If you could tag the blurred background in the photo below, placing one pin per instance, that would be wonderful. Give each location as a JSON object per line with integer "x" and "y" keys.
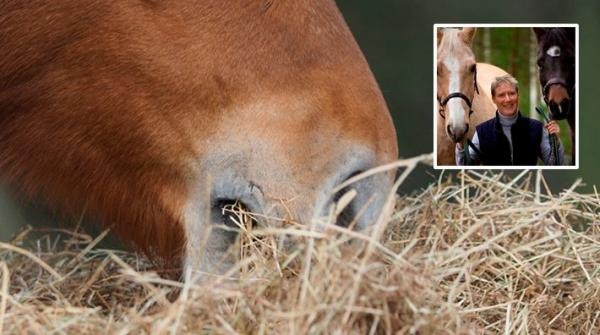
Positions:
{"x": 397, "y": 40}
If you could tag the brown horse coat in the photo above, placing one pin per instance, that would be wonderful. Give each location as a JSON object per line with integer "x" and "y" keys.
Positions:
{"x": 151, "y": 114}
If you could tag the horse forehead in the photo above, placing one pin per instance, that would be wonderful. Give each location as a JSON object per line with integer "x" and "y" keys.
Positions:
{"x": 451, "y": 44}
{"x": 455, "y": 67}
{"x": 451, "y": 63}
{"x": 455, "y": 53}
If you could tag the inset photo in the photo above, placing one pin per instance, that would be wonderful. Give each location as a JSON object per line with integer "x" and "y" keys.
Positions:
{"x": 506, "y": 96}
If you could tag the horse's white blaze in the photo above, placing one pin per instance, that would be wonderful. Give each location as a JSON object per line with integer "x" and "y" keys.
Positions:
{"x": 553, "y": 51}
{"x": 455, "y": 108}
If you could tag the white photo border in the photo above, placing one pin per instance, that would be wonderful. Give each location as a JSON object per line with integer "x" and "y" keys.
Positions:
{"x": 509, "y": 167}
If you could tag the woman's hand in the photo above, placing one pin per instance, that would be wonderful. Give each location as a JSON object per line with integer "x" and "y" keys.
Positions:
{"x": 553, "y": 127}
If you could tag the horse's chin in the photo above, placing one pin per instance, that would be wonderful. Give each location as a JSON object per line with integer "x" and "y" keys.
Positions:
{"x": 458, "y": 135}
{"x": 456, "y": 139}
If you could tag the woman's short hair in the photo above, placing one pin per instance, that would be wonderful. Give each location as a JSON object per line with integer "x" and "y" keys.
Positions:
{"x": 506, "y": 79}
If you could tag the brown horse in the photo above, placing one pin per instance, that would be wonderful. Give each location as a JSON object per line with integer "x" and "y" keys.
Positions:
{"x": 556, "y": 65}
{"x": 153, "y": 115}
{"x": 463, "y": 91}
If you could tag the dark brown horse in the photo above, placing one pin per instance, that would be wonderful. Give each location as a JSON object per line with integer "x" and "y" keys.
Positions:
{"x": 556, "y": 64}
{"x": 153, "y": 115}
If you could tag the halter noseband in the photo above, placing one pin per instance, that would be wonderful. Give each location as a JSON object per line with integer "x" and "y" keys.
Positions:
{"x": 555, "y": 81}
{"x": 560, "y": 82}
{"x": 444, "y": 102}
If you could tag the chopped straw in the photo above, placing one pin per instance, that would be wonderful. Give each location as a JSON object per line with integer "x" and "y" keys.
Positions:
{"x": 475, "y": 253}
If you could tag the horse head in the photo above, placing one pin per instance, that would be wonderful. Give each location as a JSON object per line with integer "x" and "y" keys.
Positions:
{"x": 556, "y": 64}
{"x": 456, "y": 80}
{"x": 155, "y": 116}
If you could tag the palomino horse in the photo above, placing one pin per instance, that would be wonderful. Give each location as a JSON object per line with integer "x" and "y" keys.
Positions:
{"x": 154, "y": 115}
{"x": 556, "y": 64}
{"x": 463, "y": 91}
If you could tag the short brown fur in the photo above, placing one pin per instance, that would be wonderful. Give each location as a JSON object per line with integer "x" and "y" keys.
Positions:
{"x": 101, "y": 102}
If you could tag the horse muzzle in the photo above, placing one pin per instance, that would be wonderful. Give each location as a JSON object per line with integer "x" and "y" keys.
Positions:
{"x": 561, "y": 110}
{"x": 557, "y": 97}
{"x": 457, "y": 134}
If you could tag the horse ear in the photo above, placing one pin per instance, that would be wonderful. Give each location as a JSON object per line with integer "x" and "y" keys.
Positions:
{"x": 539, "y": 33}
{"x": 440, "y": 34}
{"x": 467, "y": 34}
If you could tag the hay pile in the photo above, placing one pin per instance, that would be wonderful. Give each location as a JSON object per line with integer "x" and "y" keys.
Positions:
{"x": 482, "y": 253}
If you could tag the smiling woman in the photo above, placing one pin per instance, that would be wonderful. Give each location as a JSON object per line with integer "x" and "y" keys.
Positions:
{"x": 510, "y": 138}
{"x": 153, "y": 116}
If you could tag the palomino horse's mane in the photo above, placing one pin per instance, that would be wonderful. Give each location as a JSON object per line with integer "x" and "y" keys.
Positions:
{"x": 451, "y": 43}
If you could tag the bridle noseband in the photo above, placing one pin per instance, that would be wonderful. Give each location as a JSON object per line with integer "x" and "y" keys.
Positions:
{"x": 556, "y": 81}
{"x": 444, "y": 102}
{"x": 559, "y": 82}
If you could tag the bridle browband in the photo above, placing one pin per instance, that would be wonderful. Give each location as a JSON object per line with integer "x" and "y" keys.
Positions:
{"x": 444, "y": 102}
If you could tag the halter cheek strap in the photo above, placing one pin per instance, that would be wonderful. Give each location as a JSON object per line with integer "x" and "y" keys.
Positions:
{"x": 475, "y": 80}
{"x": 553, "y": 81}
{"x": 461, "y": 95}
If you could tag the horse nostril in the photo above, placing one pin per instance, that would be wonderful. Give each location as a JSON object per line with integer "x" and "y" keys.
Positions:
{"x": 449, "y": 131}
{"x": 230, "y": 213}
{"x": 347, "y": 216}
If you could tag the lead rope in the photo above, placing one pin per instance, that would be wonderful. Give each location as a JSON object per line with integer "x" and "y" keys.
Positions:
{"x": 467, "y": 156}
{"x": 551, "y": 137}
{"x": 468, "y": 160}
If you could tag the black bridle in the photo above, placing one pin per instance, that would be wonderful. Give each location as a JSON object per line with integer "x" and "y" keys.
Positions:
{"x": 556, "y": 81}
{"x": 444, "y": 102}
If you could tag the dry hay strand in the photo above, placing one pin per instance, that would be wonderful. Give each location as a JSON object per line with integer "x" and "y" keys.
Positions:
{"x": 476, "y": 254}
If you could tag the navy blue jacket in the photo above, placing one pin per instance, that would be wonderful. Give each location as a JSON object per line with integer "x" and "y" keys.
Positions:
{"x": 494, "y": 146}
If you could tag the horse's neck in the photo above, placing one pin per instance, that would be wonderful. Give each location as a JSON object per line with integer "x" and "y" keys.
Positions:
{"x": 571, "y": 115}
{"x": 483, "y": 108}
